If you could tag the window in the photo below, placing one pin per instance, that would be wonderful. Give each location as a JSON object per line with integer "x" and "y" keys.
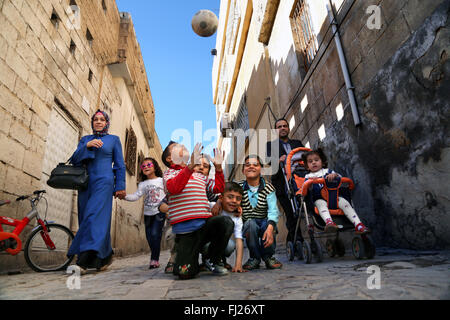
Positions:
{"x": 130, "y": 151}
{"x": 104, "y": 6}
{"x": 304, "y": 37}
{"x": 89, "y": 37}
{"x": 90, "y": 75}
{"x": 54, "y": 19}
{"x": 72, "y": 47}
{"x": 242, "y": 116}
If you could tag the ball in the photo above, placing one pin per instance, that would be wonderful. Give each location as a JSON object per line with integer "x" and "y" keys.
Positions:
{"x": 204, "y": 23}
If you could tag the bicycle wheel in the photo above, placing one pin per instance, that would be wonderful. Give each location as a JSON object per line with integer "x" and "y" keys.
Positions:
{"x": 42, "y": 259}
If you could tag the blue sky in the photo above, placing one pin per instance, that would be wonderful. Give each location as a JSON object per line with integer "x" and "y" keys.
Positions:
{"x": 178, "y": 64}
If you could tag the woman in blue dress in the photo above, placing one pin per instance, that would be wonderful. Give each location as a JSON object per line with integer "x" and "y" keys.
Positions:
{"x": 102, "y": 154}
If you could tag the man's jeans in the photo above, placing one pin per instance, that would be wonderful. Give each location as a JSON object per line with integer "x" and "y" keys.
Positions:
{"x": 253, "y": 231}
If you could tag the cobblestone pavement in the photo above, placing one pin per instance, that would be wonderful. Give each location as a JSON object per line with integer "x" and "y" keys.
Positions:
{"x": 403, "y": 275}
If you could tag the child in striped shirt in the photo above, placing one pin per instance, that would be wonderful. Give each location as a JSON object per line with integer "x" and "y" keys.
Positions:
{"x": 189, "y": 213}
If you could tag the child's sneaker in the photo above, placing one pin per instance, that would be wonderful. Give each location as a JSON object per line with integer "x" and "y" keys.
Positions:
{"x": 169, "y": 268}
{"x": 273, "y": 263}
{"x": 216, "y": 268}
{"x": 251, "y": 264}
{"x": 153, "y": 264}
{"x": 185, "y": 272}
{"x": 361, "y": 229}
{"x": 330, "y": 226}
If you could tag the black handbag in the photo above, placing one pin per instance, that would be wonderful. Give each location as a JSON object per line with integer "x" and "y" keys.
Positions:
{"x": 67, "y": 176}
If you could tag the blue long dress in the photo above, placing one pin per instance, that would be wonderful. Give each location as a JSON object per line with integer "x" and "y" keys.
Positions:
{"x": 106, "y": 169}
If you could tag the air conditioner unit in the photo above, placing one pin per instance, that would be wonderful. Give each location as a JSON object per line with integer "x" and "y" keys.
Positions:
{"x": 226, "y": 123}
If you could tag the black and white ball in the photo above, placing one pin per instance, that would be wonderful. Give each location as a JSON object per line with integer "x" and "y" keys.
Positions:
{"x": 204, "y": 23}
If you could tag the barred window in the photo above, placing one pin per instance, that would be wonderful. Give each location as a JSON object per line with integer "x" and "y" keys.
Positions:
{"x": 130, "y": 151}
{"x": 242, "y": 116}
{"x": 304, "y": 37}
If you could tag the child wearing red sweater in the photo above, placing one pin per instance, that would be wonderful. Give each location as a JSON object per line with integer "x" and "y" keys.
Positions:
{"x": 189, "y": 212}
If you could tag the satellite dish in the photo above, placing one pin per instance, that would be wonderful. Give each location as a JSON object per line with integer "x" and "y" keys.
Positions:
{"x": 204, "y": 23}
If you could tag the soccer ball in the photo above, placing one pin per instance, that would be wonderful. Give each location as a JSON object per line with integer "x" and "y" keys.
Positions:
{"x": 204, "y": 23}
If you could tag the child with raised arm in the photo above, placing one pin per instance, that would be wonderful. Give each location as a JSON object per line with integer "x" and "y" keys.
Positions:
{"x": 152, "y": 188}
{"x": 316, "y": 162}
{"x": 189, "y": 214}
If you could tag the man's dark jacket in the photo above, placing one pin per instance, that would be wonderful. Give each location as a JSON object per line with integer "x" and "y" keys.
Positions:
{"x": 277, "y": 179}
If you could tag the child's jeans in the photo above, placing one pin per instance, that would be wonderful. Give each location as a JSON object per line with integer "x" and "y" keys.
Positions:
{"x": 153, "y": 232}
{"x": 231, "y": 246}
{"x": 253, "y": 230}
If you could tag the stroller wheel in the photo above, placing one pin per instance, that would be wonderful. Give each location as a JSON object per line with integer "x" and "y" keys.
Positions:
{"x": 290, "y": 251}
{"x": 299, "y": 249}
{"x": 369, "y": 247}
{"x": 331, "y": 248}
{"x": 358, "y": 249}
{"x": 340, "y": 247}
{"x": 317, "y": 250}
{"x": 307, "y": 254}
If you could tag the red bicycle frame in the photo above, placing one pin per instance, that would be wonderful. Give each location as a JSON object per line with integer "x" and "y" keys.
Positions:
{"x": 19, "y": 226}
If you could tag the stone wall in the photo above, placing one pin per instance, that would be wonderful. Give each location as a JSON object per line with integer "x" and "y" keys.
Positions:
{"x": 398, "y": 157}
{"x": 52, "y": 58}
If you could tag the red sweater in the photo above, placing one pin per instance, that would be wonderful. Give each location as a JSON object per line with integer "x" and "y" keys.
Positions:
{"x": 187, "y": 193}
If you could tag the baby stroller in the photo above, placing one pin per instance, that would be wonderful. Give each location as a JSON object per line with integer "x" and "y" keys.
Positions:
{"x": 303, "y": 208}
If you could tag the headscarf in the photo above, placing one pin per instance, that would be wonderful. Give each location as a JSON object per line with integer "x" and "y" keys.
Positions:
{"x": 104, "y": 132}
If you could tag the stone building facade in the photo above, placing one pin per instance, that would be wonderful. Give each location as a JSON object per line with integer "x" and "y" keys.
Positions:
{"x": 280, "y": 59}
{"x": 59, "y": 62}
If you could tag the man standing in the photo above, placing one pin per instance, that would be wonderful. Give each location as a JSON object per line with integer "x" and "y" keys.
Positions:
{"x": 286, "y": 145}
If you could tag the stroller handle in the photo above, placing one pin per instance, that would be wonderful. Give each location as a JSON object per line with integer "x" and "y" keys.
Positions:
{"x": 289, "y": 158}
{"x": 310, "y": 182}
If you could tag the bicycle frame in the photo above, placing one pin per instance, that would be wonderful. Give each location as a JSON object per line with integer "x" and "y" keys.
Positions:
{"x": 20, "y": 225}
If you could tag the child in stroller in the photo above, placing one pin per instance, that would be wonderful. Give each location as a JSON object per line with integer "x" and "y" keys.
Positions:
{"x": 333, "y": 188}
{"x": 316, "y": 162}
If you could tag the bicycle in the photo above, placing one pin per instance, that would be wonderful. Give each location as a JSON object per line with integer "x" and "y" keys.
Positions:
{"x": 47, "y": 244}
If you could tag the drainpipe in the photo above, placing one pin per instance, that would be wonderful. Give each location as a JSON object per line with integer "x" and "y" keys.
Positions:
{"x": 348, "y": 81}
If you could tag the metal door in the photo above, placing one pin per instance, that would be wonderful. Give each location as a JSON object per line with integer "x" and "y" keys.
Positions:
{"x": 62, "y": 140}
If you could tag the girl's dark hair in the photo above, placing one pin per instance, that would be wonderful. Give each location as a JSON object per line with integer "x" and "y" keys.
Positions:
{"x": 321, "y": 155}
{"x": 158, "y": 171}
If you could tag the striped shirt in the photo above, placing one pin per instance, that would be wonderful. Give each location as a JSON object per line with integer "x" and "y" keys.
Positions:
{"x": 187, "y": 193}
{"x": 259, "y": 204}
